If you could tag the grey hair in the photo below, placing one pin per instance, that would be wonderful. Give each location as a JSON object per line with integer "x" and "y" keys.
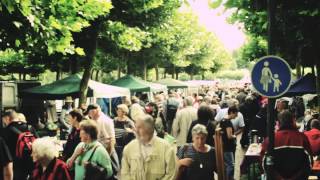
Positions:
{"x": 199, "y": 129}
{"x": 148, "y": 121}
{"x": 188, "y": 101}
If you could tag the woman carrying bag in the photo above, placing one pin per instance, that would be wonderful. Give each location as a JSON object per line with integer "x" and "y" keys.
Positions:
{"x": 90, "y": 159}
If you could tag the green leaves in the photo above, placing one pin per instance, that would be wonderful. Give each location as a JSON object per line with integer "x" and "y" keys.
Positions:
{"x": 145, "y": 5}
{"x": 53, "y": 22}
{"x": 129, "y": 38}
{"x": 12, "y": 61}
{"x": 214, "y": 3}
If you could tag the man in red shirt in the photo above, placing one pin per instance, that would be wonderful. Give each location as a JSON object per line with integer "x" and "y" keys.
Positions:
{"x": 314, "y": 137}
{"x": 292, "y": 150}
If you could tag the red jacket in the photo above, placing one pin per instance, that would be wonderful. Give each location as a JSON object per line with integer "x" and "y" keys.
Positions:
{"x": 56, "y": 170}
{"x": 291, "y": 147}
{"x": 314, "y": 139}
{"x": 285, "y": 138}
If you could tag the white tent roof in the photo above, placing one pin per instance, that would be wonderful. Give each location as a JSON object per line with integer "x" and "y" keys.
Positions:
{"x": 155, "y": 87}
{"x": 101, "y": 90}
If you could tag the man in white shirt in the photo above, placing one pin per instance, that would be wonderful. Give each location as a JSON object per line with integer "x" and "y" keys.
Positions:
{"x": 238, "y": 122}
{"x": 106, "y": 133}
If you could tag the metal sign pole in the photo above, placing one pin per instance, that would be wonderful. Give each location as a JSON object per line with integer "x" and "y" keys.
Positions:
{"x": 271, "y": 101}
{"x": 270, "y": 130}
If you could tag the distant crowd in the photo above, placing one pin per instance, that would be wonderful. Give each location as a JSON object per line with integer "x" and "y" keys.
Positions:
{"x": 168, "y": 138}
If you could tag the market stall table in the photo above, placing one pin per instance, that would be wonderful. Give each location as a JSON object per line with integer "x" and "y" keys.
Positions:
{"x": 251, "y": 158}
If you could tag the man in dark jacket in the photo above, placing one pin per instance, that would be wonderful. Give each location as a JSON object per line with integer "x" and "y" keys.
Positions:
{"x": 6, "y": 171}
{"x": 10, "y": 133}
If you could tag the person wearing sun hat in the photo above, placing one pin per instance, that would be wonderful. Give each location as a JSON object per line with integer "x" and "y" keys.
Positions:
{"x": 66, "y": 108}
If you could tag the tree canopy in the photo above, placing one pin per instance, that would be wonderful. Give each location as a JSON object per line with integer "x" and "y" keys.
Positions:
{"x": 296, "y": 28}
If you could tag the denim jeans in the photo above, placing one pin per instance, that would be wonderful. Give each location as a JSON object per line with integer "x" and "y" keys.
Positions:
{"x": 229, "y": 164}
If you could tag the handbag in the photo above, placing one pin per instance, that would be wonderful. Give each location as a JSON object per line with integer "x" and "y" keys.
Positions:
{"x": 94, "y": 170}
{"x": 181, "y": 174}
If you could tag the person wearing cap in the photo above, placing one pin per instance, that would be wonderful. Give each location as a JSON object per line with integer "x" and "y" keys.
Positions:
{"x": 106, "y": 135}
{"x": 66, "y": 108}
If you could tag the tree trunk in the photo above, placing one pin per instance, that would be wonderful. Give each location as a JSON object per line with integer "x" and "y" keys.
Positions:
{"x": 20, "y": 76}
{"x": 145, "y": 69}
{"x": 58, "y": 74}
{"x": 74, "y": 64}
{"x": 97, "y": 75}
{"x": 173, "y": 72}
{"x": 157, "y": 72}
{"x": 24, "y": 76}
{"x": 191, "y": 76}
{"x": 91, "y": 76}
{"x": 298, "y": 68}
{"x": 92, "y": 35}
{"x": 177, "y": 75}
{"x": 202, "y": 76}
{"x": 165, "y": 74}
{"x": 119, "y": 71}
{"x": 303, "y": 71}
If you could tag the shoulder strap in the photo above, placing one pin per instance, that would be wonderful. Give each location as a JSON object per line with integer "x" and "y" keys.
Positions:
{"x": 185, "y": 148}
{"x": 15, "y": 130}
{"x": 94, "y": 150}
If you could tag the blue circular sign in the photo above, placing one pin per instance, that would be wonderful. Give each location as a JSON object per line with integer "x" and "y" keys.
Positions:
{"x": 271, "y": 76}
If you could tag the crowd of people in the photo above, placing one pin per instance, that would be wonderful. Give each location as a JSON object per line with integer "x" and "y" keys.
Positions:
{"x": 134, "y": 144}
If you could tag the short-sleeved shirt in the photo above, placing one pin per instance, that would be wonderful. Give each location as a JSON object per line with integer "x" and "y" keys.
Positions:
{"x": 122, "y": 136}
{"x": 228, "y": 144}
{"x": 5, "y": 156}
{"x": 237, "y": 123}
{"x": 203, "y": 164}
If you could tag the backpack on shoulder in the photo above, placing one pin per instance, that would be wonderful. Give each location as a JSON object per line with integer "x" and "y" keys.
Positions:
{"x": 170, "y": 114}
{"x": 24, "y": 143}
{"x": 24, "y": 147}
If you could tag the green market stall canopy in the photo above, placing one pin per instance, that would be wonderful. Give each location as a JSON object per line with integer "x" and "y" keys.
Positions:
{"x": 173, "y": 84}
{"x": 138, "y": 85}
{"x": 70, "y": 86}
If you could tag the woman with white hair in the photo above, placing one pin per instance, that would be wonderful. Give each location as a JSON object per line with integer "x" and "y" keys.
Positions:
{"x": 48, "y": 167}
{"x": 198, "y": 157}
{"x": 124, "y": 128}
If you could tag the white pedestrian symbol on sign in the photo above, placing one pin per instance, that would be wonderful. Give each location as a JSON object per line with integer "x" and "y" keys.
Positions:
{"x": 276, "y": 83}
{"x": 267, "y": 77}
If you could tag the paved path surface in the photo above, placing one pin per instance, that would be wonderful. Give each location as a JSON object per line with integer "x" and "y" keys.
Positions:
{"x": 238, "y": 158}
